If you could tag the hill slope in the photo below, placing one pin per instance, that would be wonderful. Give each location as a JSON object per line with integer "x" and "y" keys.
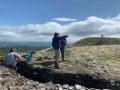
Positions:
{"x": 91, "y": 41}
{"x": 98, "y": 62}
{"x": 89, "y": 59}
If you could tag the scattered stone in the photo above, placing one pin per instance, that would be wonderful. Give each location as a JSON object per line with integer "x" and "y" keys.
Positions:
{"x": 57, "y": 86}
{"x": 1, "y": 87}
{"x": 60, "y": 88}
{"x": 0, "y": 73}
{"x": 65, "y": 86}
{"x": 10, "y": 80}
{"x": 71, "y": 87}
{"x": 112, "y": 81}
{"x": 1, "y": 78}
{"x": 78, "y": 87}
{"x": 28, "y": 82}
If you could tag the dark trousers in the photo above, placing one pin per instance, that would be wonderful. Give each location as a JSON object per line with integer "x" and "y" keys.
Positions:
{"x": 12, "y": 66}
{"x": 62, "y": 50}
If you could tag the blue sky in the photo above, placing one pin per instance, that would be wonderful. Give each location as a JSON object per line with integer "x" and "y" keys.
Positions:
{"x": 39, "y": 19}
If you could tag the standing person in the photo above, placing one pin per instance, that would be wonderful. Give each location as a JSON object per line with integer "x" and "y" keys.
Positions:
{"x": 10, "y": 59}
{"x": 56, "y": 46}
{"x": 62, "y": 48}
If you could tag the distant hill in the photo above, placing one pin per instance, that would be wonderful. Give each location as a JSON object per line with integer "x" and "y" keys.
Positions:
{"x": 37, "y": 45}
{"x": 91, "y": 41}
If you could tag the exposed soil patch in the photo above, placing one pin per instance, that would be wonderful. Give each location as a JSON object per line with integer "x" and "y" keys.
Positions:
{"x": 45, "y": 74}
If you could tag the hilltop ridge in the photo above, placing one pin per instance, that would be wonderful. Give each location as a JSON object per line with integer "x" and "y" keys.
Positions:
{"x": 93, "y": 41}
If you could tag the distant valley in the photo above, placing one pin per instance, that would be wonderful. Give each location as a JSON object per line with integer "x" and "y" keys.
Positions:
{"x": 24, "y": 44}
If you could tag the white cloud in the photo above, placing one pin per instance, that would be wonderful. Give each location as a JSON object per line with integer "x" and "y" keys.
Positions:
{"x": 92, "y": 26}
{"x": 3, "y": 27}
{"x": 64, "y": 19}
{"x": 39, "y": 29}
{"x": 8, "y": 34}
{"x": 117, "y": 18}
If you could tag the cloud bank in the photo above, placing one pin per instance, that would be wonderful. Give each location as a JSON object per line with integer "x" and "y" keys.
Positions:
{"x": 92, "y": 26}
{"x": 64, "y": 19}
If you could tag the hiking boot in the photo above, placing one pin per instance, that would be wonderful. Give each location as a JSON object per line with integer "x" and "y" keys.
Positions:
{"x": 63, "y": 60}
{"x": 57, "y": 66}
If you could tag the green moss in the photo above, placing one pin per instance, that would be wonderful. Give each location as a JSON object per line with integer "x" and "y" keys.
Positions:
{"x": 3, "y": 52}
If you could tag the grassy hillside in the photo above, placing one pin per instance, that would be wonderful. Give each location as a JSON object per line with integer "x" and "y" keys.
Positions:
{"x": 100, "y": 61}
{"x": 91, "y": 41}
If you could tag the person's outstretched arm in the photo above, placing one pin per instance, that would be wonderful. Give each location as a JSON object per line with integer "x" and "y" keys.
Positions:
{"x": 62, "y": 37}
{"x": 18, "y": 56}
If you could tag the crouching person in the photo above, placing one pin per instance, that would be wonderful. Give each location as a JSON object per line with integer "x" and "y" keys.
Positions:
{"x": 10, "y": 60}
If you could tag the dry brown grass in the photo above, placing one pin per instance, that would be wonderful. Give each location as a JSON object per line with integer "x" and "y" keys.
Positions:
{"x": 102, "y": 61}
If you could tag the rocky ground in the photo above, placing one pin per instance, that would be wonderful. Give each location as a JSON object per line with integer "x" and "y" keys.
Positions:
{"x": 10, "y": 80}
{"x": 85, "y": 67}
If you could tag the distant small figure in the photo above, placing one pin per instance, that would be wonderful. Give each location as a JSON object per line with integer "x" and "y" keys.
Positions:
{"x": 56, "y": 46}
{"x": 63, "y": 43}
{"x": 10, "y": 60}
{"x": 102, "y": 36}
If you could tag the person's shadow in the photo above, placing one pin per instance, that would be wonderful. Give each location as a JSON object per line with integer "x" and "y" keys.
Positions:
{"x": 48, "y": 64}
